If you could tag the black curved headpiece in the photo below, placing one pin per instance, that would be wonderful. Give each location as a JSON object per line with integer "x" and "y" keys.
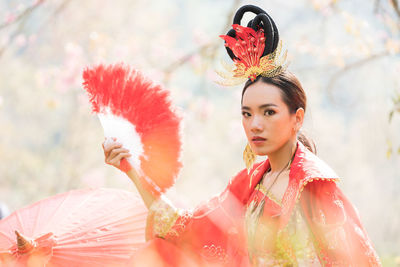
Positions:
{"x": 262, "y": 20}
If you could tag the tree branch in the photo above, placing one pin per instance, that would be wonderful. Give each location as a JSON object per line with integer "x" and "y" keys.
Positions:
{"x": 396, "y": 7}
{"x": 212, "y": 46}
{"x": 55, "y": 13}
{"x": 336, "y": 76}
{"x": 22, "y": 15}
{"x": 25, "y": 15}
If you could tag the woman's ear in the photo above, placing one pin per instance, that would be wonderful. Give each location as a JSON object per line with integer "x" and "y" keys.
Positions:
{"x": 299, "y": 116}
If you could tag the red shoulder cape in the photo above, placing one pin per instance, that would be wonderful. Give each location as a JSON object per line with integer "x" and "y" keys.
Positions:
{"x": 306, "y": 167}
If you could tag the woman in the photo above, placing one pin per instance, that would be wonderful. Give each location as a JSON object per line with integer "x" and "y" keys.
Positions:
{"x": 284, "y": 211}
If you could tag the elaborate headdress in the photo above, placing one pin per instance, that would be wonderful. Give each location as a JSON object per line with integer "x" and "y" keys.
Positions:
{"x": 255, "y": 49}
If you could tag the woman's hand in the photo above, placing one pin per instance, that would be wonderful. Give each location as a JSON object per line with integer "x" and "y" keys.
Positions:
{"x": 114, "y": 152}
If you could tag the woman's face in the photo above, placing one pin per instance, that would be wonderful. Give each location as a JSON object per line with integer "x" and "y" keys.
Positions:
{"x": 266, "y": 118}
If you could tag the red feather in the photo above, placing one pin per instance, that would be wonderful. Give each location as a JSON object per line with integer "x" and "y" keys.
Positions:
{"x": 127, "y": 93}
{"x": 248, "y": 45}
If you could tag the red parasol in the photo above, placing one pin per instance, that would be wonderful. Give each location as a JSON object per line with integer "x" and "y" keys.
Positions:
{"x": 91, "y": 227}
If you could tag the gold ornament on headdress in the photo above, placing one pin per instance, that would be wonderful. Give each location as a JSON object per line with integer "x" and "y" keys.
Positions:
{"x": 248, "y": 47}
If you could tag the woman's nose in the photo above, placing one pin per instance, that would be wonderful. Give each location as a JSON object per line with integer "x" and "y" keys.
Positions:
{"x": 256, "y": 124}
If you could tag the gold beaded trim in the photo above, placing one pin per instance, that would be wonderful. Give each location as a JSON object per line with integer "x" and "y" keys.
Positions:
{"x": 314, "y": 179}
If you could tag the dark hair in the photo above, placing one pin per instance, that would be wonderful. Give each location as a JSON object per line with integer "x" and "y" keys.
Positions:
{"x": 261, "y": 21}
{"x": 293, "y": 96}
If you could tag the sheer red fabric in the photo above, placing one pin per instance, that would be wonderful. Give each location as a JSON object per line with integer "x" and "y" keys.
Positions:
{"x": 214, "y": 233}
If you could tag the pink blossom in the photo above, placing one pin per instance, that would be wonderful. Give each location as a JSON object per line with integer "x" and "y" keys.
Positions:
{"x": 20, "y": 40}
{"x": 38, "y": 2}
{"x": 9, "y": 18}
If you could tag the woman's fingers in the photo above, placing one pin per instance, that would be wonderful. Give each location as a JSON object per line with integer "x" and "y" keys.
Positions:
{"x": 111, "y": 146}
{"x": 116, "y": 161}
{"x": 117, "y": 151}
{"x": 114, "y": 152}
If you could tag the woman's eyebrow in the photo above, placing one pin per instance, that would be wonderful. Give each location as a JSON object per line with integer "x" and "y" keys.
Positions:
{"x": 260, "y": 107}
{"x": 267, "y": 105}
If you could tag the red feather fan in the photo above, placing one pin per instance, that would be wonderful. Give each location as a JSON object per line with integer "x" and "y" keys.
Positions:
{"x": 124, "y": 92}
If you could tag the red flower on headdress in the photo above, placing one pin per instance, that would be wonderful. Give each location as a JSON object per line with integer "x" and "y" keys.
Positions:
{"x": 248, "y": 47}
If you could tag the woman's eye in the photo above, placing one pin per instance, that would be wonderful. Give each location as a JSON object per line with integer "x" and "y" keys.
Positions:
{"x": 246, "y": 114}
{"x": 269, "y": 112}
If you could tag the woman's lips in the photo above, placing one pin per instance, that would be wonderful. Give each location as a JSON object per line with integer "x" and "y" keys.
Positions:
{"x": 258, "y": 140}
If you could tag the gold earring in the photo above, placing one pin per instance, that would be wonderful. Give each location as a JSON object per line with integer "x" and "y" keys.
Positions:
{"x": 248, "y": 157}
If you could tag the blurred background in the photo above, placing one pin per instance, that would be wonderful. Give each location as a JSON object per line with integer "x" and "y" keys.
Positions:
{"x": 345, "y": 53}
